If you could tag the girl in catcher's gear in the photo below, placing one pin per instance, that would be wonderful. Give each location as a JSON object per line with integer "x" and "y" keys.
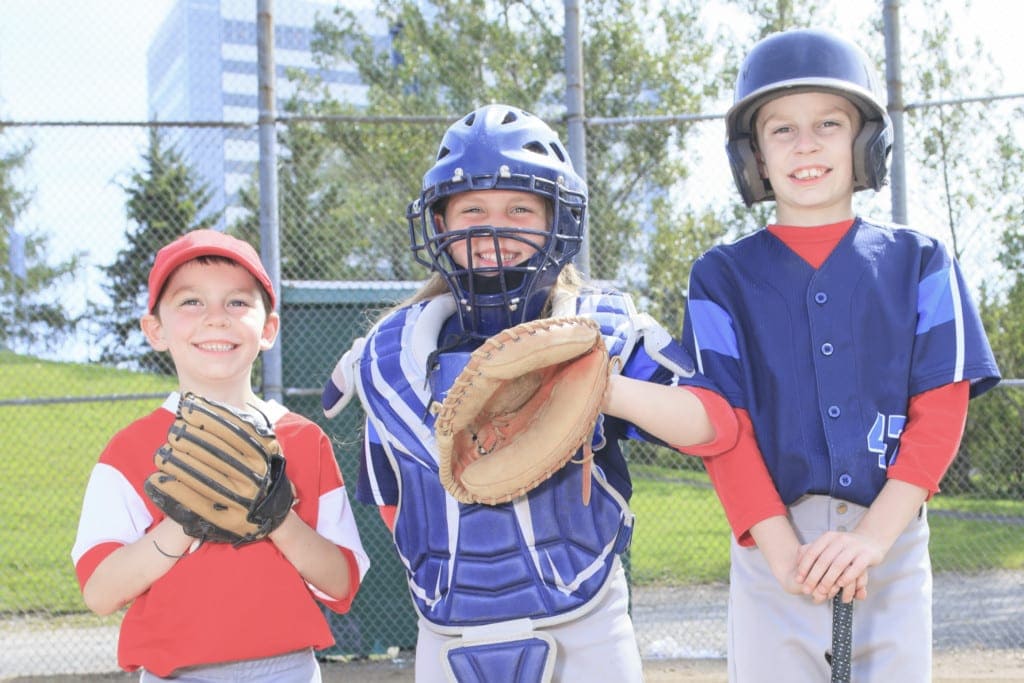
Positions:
{"x": 849, "y": 349}
{"x": 536, "y": 580}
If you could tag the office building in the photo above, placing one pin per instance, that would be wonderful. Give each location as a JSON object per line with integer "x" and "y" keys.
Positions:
{"x": 202, "y": 67}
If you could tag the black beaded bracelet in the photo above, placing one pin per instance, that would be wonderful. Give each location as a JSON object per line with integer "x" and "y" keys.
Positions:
{"x": 166, "y": 554}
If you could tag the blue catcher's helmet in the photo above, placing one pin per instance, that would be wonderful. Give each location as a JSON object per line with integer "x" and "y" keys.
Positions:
{"x": 803, "y": 60}
{"x": 498, "y": 147}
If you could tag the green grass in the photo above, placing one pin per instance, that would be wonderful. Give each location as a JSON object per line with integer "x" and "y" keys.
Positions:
{"x": 963, "y": 540}
{"x": 681, "y": 533}
{"x": 47, "y": 452}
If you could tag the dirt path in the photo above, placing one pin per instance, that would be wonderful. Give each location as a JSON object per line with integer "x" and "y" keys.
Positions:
{"x": 978, "y": 636}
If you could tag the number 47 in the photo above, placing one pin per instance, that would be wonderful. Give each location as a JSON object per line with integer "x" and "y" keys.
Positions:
{"x": 885, "y": 427}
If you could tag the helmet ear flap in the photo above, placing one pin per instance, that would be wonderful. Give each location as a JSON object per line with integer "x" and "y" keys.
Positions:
{"x": 746, "y": 171}
{"x": 871, "y": 150}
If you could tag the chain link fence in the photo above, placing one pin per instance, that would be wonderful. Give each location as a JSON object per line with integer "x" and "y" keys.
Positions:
{"x": 343, "y": 261}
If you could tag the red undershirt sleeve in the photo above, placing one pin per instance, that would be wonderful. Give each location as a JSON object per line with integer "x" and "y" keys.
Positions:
{"x": 931, "y": 438}
{"x": 741, "y": 480}
{"x": 387, "y": 513}
{"x": 722, "y": 419}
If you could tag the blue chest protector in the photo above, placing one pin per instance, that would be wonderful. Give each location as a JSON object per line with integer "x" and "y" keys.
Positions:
{"x": 544, "y": 556}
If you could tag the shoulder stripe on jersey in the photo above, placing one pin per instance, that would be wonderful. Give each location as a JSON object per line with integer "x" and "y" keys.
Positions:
{"x": 697, "y": 357}
{"x": 935, "y": 301}
{"x": 336, "y": 522}
{"x": 112, "y": 510}
{"x": 939, "y": 302}
{"x": 712, "y": 328}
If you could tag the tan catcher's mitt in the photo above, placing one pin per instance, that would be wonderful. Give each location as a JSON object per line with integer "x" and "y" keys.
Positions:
{"x": 525, "y": 403}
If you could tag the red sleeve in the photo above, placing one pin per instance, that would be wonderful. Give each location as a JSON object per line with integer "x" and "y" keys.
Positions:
{"x": 931, "y": 438}
{"x": 87, "y": 564}
{"x": 723, "y": 420}
{"x": 742, "y": 482}
{"x": 344, "y": 605}
{"x": 316, "y": 476}
{"x": 387, "y": 513}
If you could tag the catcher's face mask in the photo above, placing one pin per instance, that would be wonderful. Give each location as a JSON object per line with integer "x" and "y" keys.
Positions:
{"x": 499, "y": 148}
{"x": 522, "y": 217}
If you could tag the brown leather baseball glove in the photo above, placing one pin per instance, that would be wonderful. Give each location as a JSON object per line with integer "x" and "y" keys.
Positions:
{"x": 220, "y": 474}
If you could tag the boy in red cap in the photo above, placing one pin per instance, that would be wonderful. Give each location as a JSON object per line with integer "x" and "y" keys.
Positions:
{"x": 212, "y": 611}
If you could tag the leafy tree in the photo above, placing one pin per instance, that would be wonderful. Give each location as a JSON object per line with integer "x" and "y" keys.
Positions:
{"x": 1004, "y": 314}
{"x": 973, "y": 180}
{"x": 953, "y": 157}
{"x": 640, "y": 61}
{"x": 327, "y": 228}
{"x": 993, "y": 444}
{"x": 991, "y": 457}
{"x": 165, "y": 200}
{"x": 31, "y": 313}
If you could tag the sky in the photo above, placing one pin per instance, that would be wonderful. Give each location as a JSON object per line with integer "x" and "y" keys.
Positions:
{"x": 85, "y": 60}
{"x": 65, "y": 44}
{"x": 51, "y": 51}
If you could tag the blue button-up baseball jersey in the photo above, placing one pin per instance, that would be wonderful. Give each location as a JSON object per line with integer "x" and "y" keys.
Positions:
{"x": 826, "y": 360}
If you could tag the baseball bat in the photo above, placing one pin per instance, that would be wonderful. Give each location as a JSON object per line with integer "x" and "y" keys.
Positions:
{"x": 842, "y": 639}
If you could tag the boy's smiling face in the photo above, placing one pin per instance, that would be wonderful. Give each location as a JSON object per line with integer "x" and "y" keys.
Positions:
{"x": 212, "y": 320}
{"x": 805, "y": 149}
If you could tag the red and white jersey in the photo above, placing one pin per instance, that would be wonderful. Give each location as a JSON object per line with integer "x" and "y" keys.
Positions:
{"x": 219, "y": 603}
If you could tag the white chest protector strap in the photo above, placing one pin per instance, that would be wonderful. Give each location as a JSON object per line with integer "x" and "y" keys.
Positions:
{"x": 422, "y": 340}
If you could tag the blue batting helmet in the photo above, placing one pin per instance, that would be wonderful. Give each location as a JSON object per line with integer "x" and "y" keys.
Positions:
{"x": 803, "y": 60}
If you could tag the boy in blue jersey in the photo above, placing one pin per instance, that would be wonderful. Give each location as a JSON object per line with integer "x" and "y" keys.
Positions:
{"x": 849, "y": 350}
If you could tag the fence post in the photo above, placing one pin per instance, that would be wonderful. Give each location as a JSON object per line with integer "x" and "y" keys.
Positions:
{"x": 270, "y": 249}
{"x": 574, "y": 110}
{"x": 894, "y": 88}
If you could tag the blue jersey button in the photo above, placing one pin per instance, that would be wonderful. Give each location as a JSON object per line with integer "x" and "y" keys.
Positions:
{"x": 827, "y": 349}
{"x": 833, "y": 411}
{"x": 845, "y": 480}
{"x": 820, "y": 297}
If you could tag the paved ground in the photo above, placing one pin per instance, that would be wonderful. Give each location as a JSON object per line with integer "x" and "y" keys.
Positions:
{"x": 950, "y": 667}
{"x": 979, "y": 635}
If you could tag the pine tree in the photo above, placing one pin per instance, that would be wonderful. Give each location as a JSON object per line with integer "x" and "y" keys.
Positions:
{"x": 32, "y": 315}
{"x": 165, "y": 200}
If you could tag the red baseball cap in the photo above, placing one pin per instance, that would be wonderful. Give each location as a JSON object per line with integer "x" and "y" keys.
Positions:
{"x": 198, "y": 243}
